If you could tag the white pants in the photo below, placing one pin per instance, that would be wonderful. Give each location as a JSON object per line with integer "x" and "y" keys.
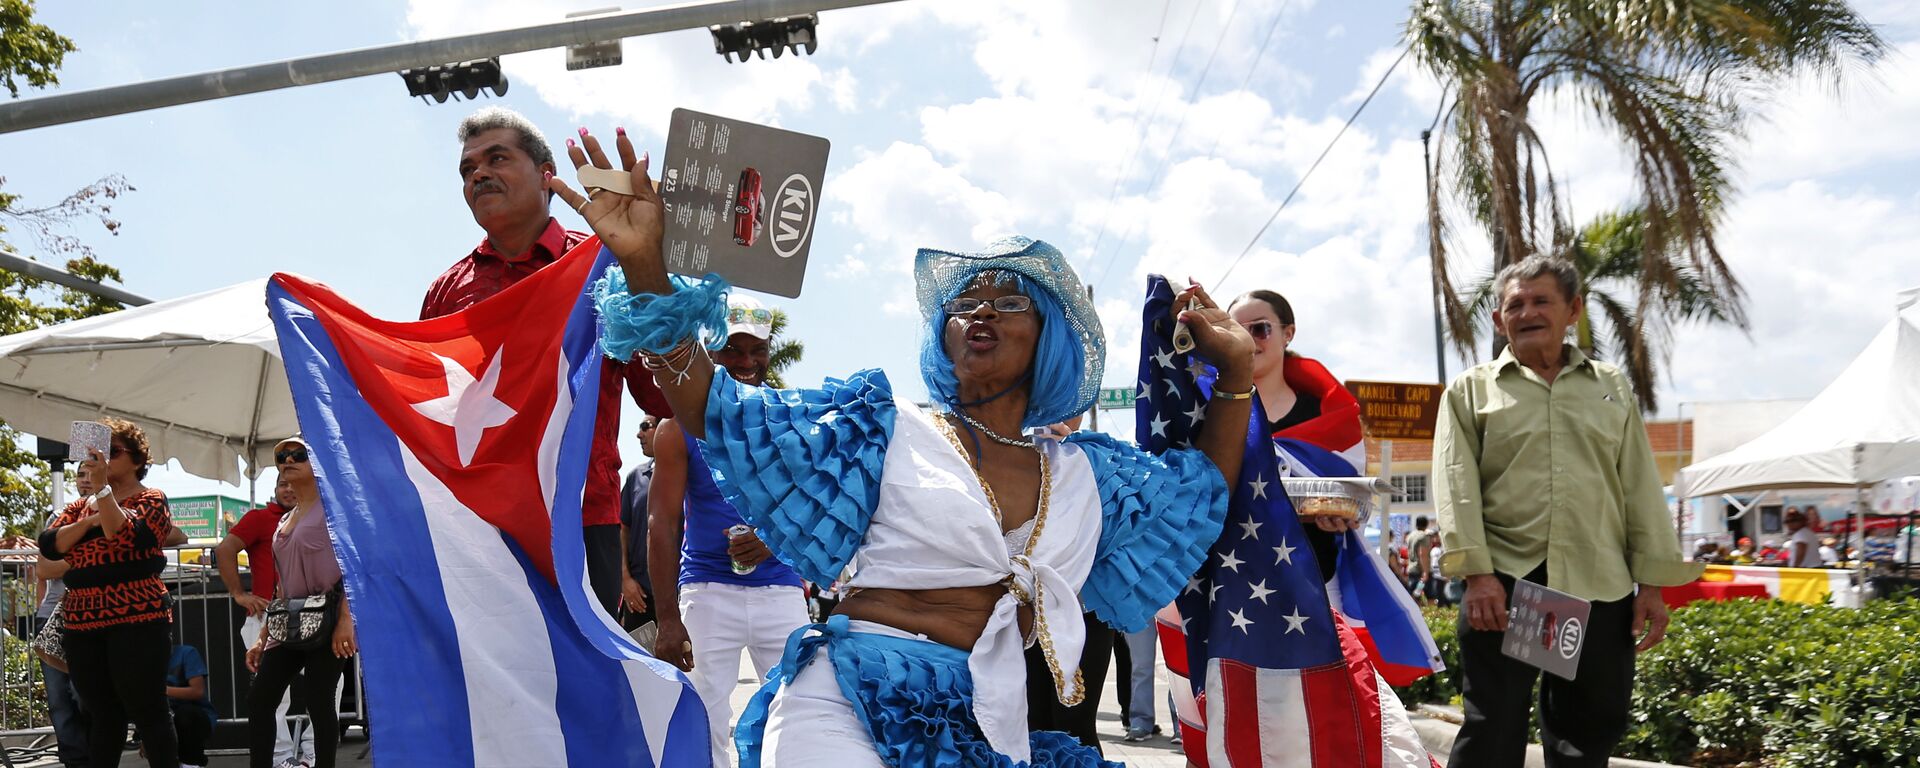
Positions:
{"x": 811, "y": 725}
{"x": 722, "y": 620}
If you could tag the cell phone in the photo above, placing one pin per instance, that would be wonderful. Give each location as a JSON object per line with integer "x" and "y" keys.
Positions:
{"x": 83, "y": 437}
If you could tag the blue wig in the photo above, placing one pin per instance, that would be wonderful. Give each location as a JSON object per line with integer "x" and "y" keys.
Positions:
{"x": 1059, "y": 362}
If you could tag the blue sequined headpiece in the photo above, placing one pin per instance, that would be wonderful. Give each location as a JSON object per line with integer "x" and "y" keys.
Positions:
{"x": 940, "y": 275}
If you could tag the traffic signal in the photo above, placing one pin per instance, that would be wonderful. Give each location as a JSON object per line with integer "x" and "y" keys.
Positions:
{"x": 777, "y": 35}
{"x": 466, "y": 78}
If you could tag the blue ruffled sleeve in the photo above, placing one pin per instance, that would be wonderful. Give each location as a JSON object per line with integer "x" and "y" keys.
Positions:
{"x": 802, "y": 465}
{"x": 1160, "y": 514}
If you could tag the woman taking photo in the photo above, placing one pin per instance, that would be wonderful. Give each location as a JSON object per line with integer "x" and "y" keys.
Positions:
{"x": 970, "y": 541}
{"x": 116, "y": 609}
{"x": 303, "y": 558}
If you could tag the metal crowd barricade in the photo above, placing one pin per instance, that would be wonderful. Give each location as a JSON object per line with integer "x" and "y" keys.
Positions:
{"x": 203, "y": 617}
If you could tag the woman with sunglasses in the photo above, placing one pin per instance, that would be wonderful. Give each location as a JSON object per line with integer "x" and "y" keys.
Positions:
{"x": 1302, "y": 401}
{"x": 969, "y": 540}
{"x": 304, "y": 559}
{"x": 116, "y": 609}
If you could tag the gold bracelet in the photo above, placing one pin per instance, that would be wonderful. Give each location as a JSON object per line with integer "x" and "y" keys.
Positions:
{"x": 1221, "y": 393}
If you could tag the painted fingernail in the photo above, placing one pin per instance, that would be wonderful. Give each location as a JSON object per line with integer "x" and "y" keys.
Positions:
{"x": 569, "y": 143}
{"x": 583, "y": 131}
{"x": 643, "y": 156}
{"x": 619, "y": 131}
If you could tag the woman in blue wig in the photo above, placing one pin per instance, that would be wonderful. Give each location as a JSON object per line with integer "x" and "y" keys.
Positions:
{"x": 969, "y": 540}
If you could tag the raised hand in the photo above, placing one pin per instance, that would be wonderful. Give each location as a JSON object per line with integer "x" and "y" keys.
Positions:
{"x": 629, "y": 225}
{"x": 1216, "y": 336}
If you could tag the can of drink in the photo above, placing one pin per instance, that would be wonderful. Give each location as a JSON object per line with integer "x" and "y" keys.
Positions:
{"x": 733, "y": 533}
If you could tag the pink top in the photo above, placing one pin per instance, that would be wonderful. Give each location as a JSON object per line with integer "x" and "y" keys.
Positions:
{"x": 303, "y": 554}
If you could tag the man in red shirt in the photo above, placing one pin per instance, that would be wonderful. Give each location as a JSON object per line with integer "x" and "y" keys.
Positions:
{"x": 254, "y": 534}
{"x": 504, "y": 165}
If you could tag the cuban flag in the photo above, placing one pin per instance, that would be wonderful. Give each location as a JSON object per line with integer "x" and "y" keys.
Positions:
{"x": 452, "y": 456}
{"x": 1373, "y": 601}
{"x": 1271, "y": 675}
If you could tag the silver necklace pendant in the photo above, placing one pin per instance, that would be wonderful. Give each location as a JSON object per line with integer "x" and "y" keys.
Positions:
{"x": 992, "y": 435}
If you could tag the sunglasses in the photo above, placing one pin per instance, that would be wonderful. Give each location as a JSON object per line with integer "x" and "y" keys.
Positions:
{"x": 1014, "y": 303}
{"x": 295, "y": 455}
{"x": 116, "y": 452}
{"x": 1261, "y": 329}
{"x": 647, "y": 426}
{"x": 745, "y": 315}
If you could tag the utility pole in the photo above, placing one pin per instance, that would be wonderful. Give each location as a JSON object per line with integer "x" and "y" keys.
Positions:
{"x": 64, "y": 108}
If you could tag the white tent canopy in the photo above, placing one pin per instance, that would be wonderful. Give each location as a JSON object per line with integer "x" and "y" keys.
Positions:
{"x": 200, "y": 374}
{"x": 1862, "y": 429}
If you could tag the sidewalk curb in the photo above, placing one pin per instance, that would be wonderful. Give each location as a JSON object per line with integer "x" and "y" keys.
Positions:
{"x": 1438, "y": 724}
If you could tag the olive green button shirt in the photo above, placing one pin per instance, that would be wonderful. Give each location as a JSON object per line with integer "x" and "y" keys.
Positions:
{"x": 1527, "y": 472}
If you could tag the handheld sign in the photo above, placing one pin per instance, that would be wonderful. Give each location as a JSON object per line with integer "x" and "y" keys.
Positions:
{"x": 741, "y": 200}
{"x": 1546, "y": 628}
{"x": 86, "y": 436}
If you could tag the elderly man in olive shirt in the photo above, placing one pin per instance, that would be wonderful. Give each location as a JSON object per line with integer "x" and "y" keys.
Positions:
{"x": 1544, "y": 473}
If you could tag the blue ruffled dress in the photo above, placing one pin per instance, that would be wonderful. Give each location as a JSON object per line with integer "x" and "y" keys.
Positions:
{"x": 843, "y": 475}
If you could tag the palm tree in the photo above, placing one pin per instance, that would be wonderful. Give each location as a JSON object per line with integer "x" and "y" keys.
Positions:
{"x": 1670, "y": 76}
{"x": 1612, "y": 256}
{"x": 785, "y": 353}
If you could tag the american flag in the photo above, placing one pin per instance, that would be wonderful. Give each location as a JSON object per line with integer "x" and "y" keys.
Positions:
{"x": 1275, "y": 677}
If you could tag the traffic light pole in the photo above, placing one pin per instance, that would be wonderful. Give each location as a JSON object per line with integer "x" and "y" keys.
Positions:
{"x": 65, "y": 108}
{"x": 16, "y": 263}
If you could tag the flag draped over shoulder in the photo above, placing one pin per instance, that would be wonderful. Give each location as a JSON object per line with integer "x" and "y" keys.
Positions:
{"x": 1273, "y": 675}
{"x": 452, "y": 456}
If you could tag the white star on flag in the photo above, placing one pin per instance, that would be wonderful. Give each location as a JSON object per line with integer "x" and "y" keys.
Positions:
{"x": 1198, "y": 414}
{"x": 1227, "y": 560}
{"x": 1196, "y": 369}
{"x": 1296, "y": 622}
{"x": 470, "y": 410}
{"x": 1252, "y": 530}
{"x": 1240, "y": 621}
{"x": 1160, "y": 426}
{"x": 1193, "y": 584}
{"x": 1283, "y": 553}
{"x": 1260, "y": 591}
{"x": 1164, "y": 357}
{"x": 1143, "y": 394}
{"x": 1259, "y": 486}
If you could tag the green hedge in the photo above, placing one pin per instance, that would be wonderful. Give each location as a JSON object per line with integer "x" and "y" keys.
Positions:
{"x": 1763, "y": 684}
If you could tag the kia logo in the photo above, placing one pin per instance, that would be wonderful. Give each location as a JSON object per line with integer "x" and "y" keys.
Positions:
{"x": 793, "y": 217}
{"x": 1570, "y": 639}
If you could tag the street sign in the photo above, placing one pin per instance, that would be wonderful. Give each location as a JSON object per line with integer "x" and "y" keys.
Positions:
{"x": 1116, "y": 398}
{"x": 605, "y": 53}
{"x": 1397, "y": 411}
{"x": 204, "y": 517}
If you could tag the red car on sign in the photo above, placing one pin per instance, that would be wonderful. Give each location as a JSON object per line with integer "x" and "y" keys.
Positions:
{"x": 747, "y": 204}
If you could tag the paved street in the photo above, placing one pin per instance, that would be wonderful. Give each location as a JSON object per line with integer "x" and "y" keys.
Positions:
{"x": 1156, "y": 753}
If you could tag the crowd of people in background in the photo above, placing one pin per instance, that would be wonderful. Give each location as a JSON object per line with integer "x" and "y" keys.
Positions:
{"x": 1803, "y": 547}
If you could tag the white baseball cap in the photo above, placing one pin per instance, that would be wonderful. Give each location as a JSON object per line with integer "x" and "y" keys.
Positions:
{"x": 747, "y": 315}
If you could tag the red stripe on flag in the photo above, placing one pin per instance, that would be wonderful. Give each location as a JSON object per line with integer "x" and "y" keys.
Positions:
{"x": 1343, "y": 707}
{"x": 1240, "y": 689}
{"x": 1173, "y": 642}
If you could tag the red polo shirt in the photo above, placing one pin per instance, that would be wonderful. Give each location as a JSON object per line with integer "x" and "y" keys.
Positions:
{"x": 255, "y": 531}
{"x": 485, "y": 272}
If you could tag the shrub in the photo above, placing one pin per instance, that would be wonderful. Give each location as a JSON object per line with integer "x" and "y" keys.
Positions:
{"x": 1762, "y": 684}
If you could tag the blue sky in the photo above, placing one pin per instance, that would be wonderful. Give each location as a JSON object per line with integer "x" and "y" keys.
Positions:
{"x": 953, "y": 122}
